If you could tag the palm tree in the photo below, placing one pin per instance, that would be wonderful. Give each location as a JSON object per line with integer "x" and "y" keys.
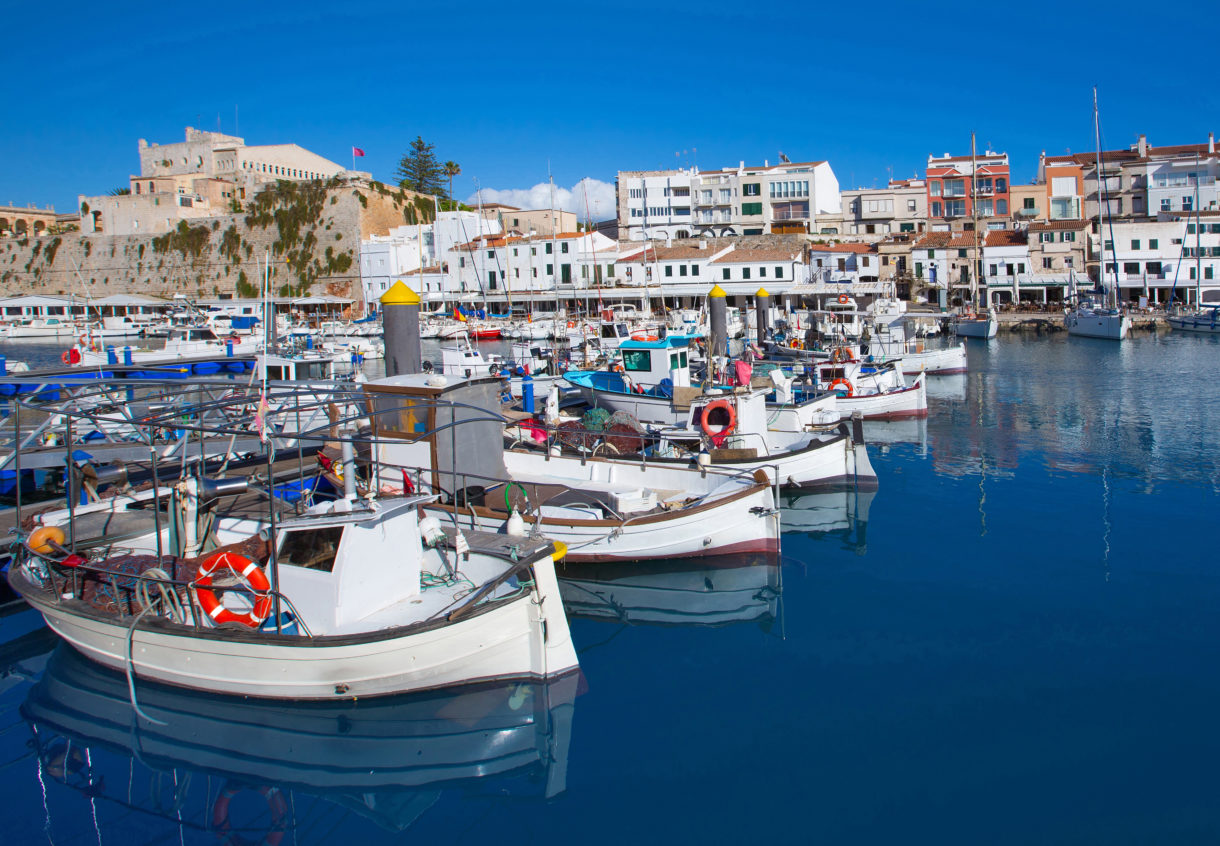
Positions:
{"x": 451, "y": 169}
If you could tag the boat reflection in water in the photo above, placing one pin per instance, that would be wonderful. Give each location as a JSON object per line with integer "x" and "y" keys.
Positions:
{"x": 883, "y": 434}
{"x": 713, "y": 591}
{"x": 951, "y": 386}
{"x": 842, "y": 514}
{"x": 312, "y": 764}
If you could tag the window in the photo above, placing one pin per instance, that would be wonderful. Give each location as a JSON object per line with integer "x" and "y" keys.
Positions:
{"x": 1207, "y": 272}
{"x": 1068, "y": 262}
{"x": 1131, "y": 268}
{"x": 762, "y": 273}
{"x": 779, "y": 273}
{"x": 1153, "y": 243}
{"x": 637, "y": 360}
{"x": 961, "y": 253}
{"x": 1001, "y": 206}
{"x": 906, "y": 227}
{"x": 314, "y": 549}
{"x": 550, "y": 268}
{"x": 669, "y": 270}
{"x": 934, "y": 187}
{"x": 1190, "y": 229}
{"x": 1166, "y": 204}
{"x": 751, "y": 208}
{"x": 461, "y": 261}
{"x": 956, "y": 208}
{"x": 919, "y": 270}
{"x": 563, "y": 248}
{"x": 549, "y": 248}
{"x": 993, "y": 270}
{"x": 1153, "y": 268}
{"x": 910, "y": 205}
{"x": 936, "y": 210}
{"x": 931, "y": 254}
{"x": 1067, "y": 236}
{"x": 1188, "y": 203}
{"x": 533, "y": 251}
{"x": 1001, "y": 185}
{"x": 681, "y": 270}
{"x": 1135, "y": 243}
{"x": 633, "y": 193}
{"x": 491, "y": 253}
{"x": 1109, "y": 247}
{"x": 751, "y": 189}
{"x": 745, "y": 273}
{"x": 1048, "y": 263}
{"x": 1020, "y": 267}
{"x": 1028, "y": 204}
{"x": 724, "y": 274}
{"x": 1046, "y": 237}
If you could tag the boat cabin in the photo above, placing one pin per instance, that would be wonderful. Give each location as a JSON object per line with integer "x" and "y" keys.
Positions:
{"x": 335, "y": 568}
{"x": 304, "y": 366}
{"x": 660, "y": 363}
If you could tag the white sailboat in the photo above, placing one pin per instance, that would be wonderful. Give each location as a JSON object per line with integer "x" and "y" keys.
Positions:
{"x": 1089, "y": 318}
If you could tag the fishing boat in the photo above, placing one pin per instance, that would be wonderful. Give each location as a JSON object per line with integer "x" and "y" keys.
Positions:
{"x": 437, "y": 434}
{"x": 1202, "y": 320}
{"x": 351, "y": 598}
{"x": 182, "y": 344}
{"x": 654, "y": 388}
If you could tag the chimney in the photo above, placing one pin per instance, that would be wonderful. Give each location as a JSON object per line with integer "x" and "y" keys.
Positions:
{"x": 741, "y": 165}
{"x": 1211, "y": 142}
{"x": 1143, "y": 146}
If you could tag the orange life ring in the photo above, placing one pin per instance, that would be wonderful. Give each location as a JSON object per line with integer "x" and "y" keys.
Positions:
{"x": 836, "y": 355}
{"x": 571, "y": 324}
{"x": 844, "y": 299}
{"x": 706, "y": 423}
{"x": 275, "y": 802}
{"x": 248, "y": 572}
{"x": 794, "y": 343}
{"x": 848, "y": 390}
{"x": 640, "y": 336}
{"x": 64, "y": 357}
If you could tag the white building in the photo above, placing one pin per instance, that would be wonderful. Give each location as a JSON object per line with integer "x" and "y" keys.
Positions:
{"x": 780, "y": 198}
{"x": 873, "y": 214}
{"x": 1153, "y": 258}
{"x": 386, "y": 258}
{"x": 843, "y": 263}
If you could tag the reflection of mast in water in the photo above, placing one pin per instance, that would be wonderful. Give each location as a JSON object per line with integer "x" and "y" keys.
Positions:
{"x": 982, "y": 494}
{"x": 1105, "y": 517}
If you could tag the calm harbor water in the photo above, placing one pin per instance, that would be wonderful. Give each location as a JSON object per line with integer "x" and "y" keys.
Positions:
{"x": 1014, "y": 640}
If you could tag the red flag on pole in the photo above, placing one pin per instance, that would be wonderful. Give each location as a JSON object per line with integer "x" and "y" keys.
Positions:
{"x": 356, "y": 151}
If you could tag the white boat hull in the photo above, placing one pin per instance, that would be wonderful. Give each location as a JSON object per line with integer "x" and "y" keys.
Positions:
{"x": 1201, "y": 323}
{"x": 893, "y": 405}
{"x": 1092, "y": 324}
{"x": 513, "y": 640}
{"x": 936, "y": 362}
{"x": 977, "y": 328}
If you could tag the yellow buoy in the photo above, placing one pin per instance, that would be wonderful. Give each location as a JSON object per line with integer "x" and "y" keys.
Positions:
{"x": 41, "y": 539}
{"x": 561, "y": 549}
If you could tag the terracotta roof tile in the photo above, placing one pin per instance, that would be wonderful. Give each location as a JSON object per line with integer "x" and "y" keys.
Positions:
{"x": 1058, "y": 225}
{"x": 759, "y": 255}
{"x": 843, "y": 248}
{"x": 1005, "y": 238}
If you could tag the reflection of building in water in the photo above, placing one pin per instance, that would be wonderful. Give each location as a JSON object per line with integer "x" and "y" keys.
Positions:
{"x": 712, "y": 591}
{"x": 842, "y": 514}
{"x": 381, "y": 758}
{"x": 1075, "y": 406}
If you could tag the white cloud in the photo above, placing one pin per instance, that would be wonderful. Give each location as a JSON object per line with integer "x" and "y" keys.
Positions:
{"x": 591, "y": 195}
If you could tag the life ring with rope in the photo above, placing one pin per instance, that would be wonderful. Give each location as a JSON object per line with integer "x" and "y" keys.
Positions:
{"x": 249, "y": 573}
{"x": 846, "y": 386}
{"x": 275, "y": 802}
{"x": 708, "y": 424}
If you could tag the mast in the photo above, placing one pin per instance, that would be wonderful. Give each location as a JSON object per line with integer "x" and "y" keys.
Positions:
{"x": 1101, "y": 227}
{"x": 1198, "y": 239}
{"x": 974, "y": 226}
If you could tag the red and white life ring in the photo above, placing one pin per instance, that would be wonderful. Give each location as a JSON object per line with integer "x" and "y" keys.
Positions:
{"x": 709, "y": 426}
{"x": 845, "y": 384}
{"x": 643, "y": 336}
{"x": 246, "y": 570}
{"x": 70, "y": 356}
{"x": 275, "y": 802}
{"x": 844, "y": 299}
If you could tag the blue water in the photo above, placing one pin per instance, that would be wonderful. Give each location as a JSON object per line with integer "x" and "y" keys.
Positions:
{"x": 1015, "y": 640}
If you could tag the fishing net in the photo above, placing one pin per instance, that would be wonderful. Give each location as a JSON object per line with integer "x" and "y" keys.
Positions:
{"x": 595, "y": 419}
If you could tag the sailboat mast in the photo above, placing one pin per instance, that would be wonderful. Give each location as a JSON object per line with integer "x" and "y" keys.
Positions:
{"x": 974, "y": 226}
{"x": 1101, "y": 230}
{"x": 1198, "y": 240}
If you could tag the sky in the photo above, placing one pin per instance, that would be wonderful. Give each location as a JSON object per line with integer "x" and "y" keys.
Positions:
{"x": 581, "y": 91}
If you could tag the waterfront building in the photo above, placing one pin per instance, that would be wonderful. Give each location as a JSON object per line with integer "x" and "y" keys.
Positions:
{"x": 952, "y": 201}
{"x": 1027, "y": 203}
{"x": 1141, "y": 181}
{"x": 386, "y": 258}
{"x": 667, "y": 265}
{"x": 545, "y": 222}
{"x": 741, "y": 272}
{"x": 841, "y": 263}
{"x": 1151, "y": 258}
{"x": 784, "y": 198}
{"x": 872, "y": 214}
{"x": 1057, "y": 253}
{"x": 205, "y": 175}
